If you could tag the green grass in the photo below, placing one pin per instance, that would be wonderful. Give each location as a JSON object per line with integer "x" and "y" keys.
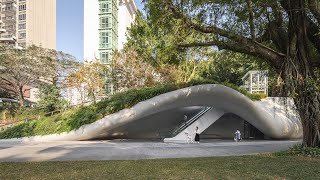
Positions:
{"x": 75, "y": 118}
{"x": 245, "y": 167}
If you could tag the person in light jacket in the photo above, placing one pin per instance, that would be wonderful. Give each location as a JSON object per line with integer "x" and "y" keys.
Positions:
{"x": 237, "y": 135}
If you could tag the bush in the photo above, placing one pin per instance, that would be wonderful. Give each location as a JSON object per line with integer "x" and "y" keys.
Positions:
{"x": 77, "y": 117}
{"x": 21, "y": 130}
{"x": 259, "y": 96}
{"x": 50, "y": 99}
{"x": 300, "y": 150}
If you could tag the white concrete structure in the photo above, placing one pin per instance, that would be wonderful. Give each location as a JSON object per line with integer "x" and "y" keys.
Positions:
{"x": 145, "y": 118}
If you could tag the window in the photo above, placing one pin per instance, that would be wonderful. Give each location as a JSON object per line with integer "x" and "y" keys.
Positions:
{"x": 105, "y": 7}
{"x": 22, "y": 16}
{"x": 22, "y": 35}
{"x": 104, "y": 39}
{"x": 8, "y": 6}
{"x": 22, "y": 26}
{"x": 104, "y": 22}
{"x": 104, "y": 57}
{"x": 22, "y": 7}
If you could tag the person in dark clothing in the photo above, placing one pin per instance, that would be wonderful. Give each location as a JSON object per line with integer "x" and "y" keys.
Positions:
{"x": 197, "y": 135}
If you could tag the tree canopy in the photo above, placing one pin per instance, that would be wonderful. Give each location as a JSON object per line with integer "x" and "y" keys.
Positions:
{"x": 283, "y": 33}
{"x": 32, "y": 66}
{"x": 156, "y": 43}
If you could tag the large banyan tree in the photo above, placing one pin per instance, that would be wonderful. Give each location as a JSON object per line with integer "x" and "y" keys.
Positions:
{"x": 283, "y": 33}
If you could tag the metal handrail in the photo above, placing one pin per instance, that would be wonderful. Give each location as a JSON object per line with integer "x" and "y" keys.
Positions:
{"x": 189, "y": 122}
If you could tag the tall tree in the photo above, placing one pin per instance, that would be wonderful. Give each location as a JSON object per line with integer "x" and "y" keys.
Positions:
{"x": 283, "y": 33}
{"x": 30, "y": 67}
{"x": 91, "y": 77}
{"x": 50, "y": 99}
{"x": 153, "y": 43}
{"x": 128, "y": 70}
{"x": 19, "y": 68}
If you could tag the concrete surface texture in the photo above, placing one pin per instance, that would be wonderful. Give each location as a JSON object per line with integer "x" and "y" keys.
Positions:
{"x": 146, "y": 115}
{"x": 129, "y": 150}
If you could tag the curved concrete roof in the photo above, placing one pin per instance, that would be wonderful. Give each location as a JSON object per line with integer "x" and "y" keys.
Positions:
{"x": 210, "y": 95}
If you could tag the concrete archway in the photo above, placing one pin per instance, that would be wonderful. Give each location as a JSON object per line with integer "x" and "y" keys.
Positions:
{"x": 221, "y": 98}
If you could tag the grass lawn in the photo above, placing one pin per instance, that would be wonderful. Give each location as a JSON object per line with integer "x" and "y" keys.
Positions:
{"x": 245, "y": 167}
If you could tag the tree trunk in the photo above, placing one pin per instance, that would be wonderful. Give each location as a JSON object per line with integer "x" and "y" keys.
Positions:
{"x": 299, "y": 84}
{"x": 299, "y": 75}
{"x": 20, "y": 96}
{"x": 308, "y": 108}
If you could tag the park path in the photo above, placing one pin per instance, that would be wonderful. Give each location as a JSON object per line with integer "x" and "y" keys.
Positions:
{"x": 131, "y": 150}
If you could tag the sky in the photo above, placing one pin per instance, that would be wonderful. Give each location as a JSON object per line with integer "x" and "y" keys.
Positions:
{"x": 70, "y": 26}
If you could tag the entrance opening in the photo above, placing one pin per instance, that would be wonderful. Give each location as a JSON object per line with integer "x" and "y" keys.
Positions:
{"x": 251, "y": 132}
{"x": 226, "y": 126}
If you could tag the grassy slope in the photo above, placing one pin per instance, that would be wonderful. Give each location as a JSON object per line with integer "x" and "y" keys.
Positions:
{"x": 246, "y": 167}
{"x": 75, "y": 118}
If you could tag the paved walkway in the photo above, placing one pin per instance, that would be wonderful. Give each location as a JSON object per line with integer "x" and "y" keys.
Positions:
{"x": 129, "y": 150}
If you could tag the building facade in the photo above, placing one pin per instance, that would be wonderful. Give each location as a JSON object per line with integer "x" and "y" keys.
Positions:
{"x": 105, "y": 25}
{"x": 28, "y": 22}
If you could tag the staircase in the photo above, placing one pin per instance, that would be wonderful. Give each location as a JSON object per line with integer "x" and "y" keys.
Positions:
{"x": 202, "y": 120}
{"x": 183, "y": 126}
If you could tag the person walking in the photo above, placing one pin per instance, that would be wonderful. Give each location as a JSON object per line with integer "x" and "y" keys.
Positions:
{"x": 197, "y": 135}
{"x": 237, "y": 135}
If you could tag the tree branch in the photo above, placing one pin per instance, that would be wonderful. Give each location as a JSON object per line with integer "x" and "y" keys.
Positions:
{"x": 256, "y": 51}
{"x": 238, "y": 40}
{"x": 251, "y": 20}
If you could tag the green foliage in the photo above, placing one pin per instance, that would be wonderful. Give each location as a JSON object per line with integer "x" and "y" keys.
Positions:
{"x": 84, "y": 115}
{"x": 9, "y": 108}
{"x": 77, "y": 117}
{"x": 300, "y": 150}
{"x": 21, "y": 130}
{"x": 24, "y": 67}
{"x": 228, "y": 66}
{"x": 4, "y": 94}
{"x": 50, "y": 98}
{"x": 154, "y": 42}
{"x": 259, "y": 96}
{"x": 157, "y": 42}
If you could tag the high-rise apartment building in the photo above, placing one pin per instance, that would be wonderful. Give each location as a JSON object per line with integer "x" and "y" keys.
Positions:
{"x": 28, "y": 22}
{"x": 105, "y": 25}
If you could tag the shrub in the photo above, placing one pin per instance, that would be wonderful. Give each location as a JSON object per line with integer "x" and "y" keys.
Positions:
{"x": 300, "y": 150}
{"x": 259, "y": 96}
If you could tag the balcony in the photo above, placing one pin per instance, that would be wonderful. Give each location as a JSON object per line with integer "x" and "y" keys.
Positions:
{"x": 2, "y": 30}
{"x": 8, "y": 40}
